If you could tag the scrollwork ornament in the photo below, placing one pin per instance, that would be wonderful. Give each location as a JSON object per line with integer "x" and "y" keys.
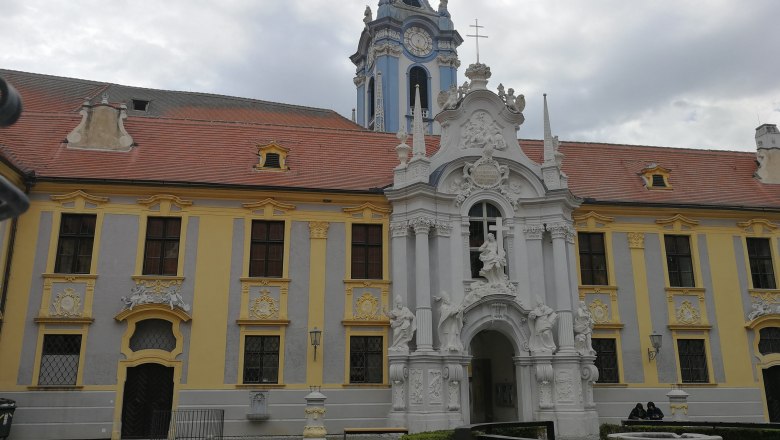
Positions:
{"x": 636, "y": 240}
{"x": 264, "y": 306}
{"x": 67, "y": 304}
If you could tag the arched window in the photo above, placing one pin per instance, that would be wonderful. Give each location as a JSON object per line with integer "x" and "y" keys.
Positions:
{"x": 770, "y": 340}
{"x": 371, "y": 99}
{"x": 418, "y": 76}
{"x": 481, "y": 217}
{"x": 153, "y": 334}
{"x": 415, "y": 3}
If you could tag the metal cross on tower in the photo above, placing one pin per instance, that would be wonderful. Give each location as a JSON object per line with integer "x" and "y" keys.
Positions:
{"x": 476, "y": 35}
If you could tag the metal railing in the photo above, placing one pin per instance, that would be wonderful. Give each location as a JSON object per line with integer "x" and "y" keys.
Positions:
{"x": 190, "y": 424}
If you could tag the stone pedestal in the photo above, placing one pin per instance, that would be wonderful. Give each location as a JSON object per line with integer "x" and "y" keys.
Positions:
{"x": 315, "y": 416}
{"x": 678, "y": 404}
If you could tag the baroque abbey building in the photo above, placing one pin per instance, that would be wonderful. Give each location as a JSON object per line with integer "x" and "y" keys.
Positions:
{"x": 420, "y": 265}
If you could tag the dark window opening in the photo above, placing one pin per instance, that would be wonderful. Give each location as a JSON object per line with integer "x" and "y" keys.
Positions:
{"x": 60, "y": 360}
{"x": 693, "y": 361}
{"x": 606, "y": 360}
{"x": 679, "y": 261}
{"x": 261, "y": 359}
{"x": 418, "y": 76}
{"x": 769, "y": 341}
{"x": 365, "y": 359}
{"x": 153, "y": 334}
{"x": 658, "y": 180}
{"x": 371, "y": 102}
{"x": 593, "y": 258}
{"x": 266, "y": 252}
{"x": 140, "y": 105}
{"x": 481, "y": 217}
{"x": 367, "y": 252}
{"x": 74, "y": 248}
{"x": 415, "y": 3}
{"x": 161, "y": 254}
{"x": 272, "y": 160}
{"x": 761, "y": 269}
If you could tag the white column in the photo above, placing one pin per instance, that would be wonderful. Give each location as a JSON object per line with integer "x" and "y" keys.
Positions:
{"x": 399, "y": 233}
{"x": 422, "y": 228}
{"x": 563, "y": 298}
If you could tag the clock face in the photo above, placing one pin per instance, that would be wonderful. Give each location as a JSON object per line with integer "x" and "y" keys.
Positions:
{"x": 418, "y": 41}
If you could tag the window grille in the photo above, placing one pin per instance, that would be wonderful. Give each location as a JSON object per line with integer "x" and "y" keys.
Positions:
{"x": 153, "y": 334}
{"x": 272, "y": 160}
{"x": 658, "y": 181}
{"x": 74, "y": 248}
{"x": 365, "y": 359}
{"x": 769, "y": 341}
{"x": 367, "y": 251}
{"x": 606, "y": 360}
{"x": 693, "y": 361}
{"x": 261, "y": 359}
{"x": 481, "y": 217}
{"x": 761, "y": 269}
{"x": 593, "y": 258}
{"x": 60, "y": 360}
{"x": 679, "y": 261}
{"x": 161, "y": 255}
{"x": 266, "y": 253}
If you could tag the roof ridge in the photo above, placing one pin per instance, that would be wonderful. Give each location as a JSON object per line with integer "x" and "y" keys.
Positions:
{"x": 160, "y": 119}
{"x": 682, "y": 149}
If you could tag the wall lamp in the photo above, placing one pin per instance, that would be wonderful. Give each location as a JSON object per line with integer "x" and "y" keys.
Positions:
{"x": 655, "y": 341}
{"x": 315, "y": 336}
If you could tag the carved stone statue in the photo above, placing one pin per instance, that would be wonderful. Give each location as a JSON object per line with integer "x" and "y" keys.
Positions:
{"x": 450, "y": 324}
{"x": 493, "y": 260}
{"x": 367, "y": 16}
{"x": 583, "y": 329}
{"x": 542, "y": 320}
{"x": 402, "y": 322}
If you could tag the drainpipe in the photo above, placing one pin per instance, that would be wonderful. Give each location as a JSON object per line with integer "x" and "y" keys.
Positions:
{"x": 9, "y": 256}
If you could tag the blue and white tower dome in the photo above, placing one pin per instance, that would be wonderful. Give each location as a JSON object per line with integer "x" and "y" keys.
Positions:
{"x": 408, "y": 44}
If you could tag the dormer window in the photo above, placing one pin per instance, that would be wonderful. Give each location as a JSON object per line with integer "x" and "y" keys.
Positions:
{"x": 656, "y": 177}
{"x": 272, "y": 157}
{"x": 140, "y": 105}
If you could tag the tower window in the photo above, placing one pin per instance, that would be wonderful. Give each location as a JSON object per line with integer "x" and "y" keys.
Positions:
{"x": 418, "y": 76}
{"x": 481, "y": 217}
{"x": 415, "y": 3}
{"x": 371, "y": 99}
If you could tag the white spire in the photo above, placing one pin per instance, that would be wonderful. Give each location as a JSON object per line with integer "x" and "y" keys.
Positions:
{"x": 418, "y": 131}
{"x": 379, "y": 104}
{"x": 549, "y": 143}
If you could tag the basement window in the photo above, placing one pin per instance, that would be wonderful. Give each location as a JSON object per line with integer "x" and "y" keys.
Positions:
{"x": 140, "y": 105}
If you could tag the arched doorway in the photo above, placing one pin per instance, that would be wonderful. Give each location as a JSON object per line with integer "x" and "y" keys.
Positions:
{"x": 492, "y": 382}
{"x": 772, "y": 390}
{"x": 148, "y": 388}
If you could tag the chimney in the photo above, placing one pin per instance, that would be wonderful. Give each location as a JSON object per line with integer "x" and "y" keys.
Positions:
{"x": 101, "y": 128}
{"x": 768, "y": 153}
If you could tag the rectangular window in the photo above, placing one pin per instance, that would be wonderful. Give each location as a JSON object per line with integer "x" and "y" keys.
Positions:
{"x": 693, "y": 360}
{"x": 593, "y": 258}
{"x": 365, "y": 359}
{"x": 367, "y": 252}
{"x": 679, "y": 260}
{"x": 606, "y": 360}
{"x": 60, "y": 360}
{"x": 261, "y": 359}
{"x": 161, "y": 255}
{"x": 74, "y": 248}
{"x": 266, "y": 252}
{"x": 761, "y": 269}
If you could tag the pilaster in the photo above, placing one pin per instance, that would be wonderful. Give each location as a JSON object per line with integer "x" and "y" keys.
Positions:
{"x": 422, "y": 227}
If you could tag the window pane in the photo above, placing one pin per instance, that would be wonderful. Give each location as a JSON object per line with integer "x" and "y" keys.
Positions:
{"x": 366, "y": 359}
{"x": 606, "y": 360}
{"x": 155, "y": 227}
{"x": 172, "y": 227}
{"x": 75, "y": 242}
{"x": 593, "y": 259}
{"x": 59, "y": 360}
{"x": 261, "y": 359}
{"x": 693, "y": 360}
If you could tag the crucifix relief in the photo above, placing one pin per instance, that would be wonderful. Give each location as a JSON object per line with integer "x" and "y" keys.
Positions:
{"x": 492, "y": 254}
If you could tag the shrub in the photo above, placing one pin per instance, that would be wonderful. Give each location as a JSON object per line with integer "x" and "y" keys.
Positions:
{"x": 430, "y": 435}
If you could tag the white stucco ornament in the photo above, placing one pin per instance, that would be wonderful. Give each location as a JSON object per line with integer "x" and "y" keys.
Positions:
{"x": 486, "y": 174}
{"x": 141, "y": 294}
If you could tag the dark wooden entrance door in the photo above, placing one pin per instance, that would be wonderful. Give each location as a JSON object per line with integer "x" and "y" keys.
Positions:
{"x": 772, "y": 390}
{"x": 481, "y": 391}
{"x": 148, "y": 388}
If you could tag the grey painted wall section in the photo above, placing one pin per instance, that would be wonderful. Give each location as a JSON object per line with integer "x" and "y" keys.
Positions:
{"x": 626, "y": 297}
{"x": 27, "y": 357}
{"x": 297, "y": 335}
{"x": 334, "y": 333}
{"x": 665, "y": 362}
{"x": 742, "y": 274}
{"x": 188, "y": 288}
{"x": 709, "y": 302}
{"x": 232, "y": 340}
{"x": 115, "y": 268}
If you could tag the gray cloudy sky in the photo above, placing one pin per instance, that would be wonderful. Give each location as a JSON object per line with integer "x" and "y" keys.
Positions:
{"x": 683, "y": 73}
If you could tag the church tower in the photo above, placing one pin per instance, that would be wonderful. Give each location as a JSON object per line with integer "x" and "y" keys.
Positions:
{"x": 408, "y": 44}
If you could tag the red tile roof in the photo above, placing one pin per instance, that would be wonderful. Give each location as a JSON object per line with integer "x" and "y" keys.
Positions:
{"x": 193, "y": 150}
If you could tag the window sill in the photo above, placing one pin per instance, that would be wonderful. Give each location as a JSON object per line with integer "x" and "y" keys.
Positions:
{"x": 366, "y": 385}
{"x": 696, "y": 384}
{"x": 58, "y": 320}
{"x": 610, "y": 385}
{"x": 260, "y": 386}
{"x": 70, "y": 276}
{"x": 261, "y": 279}
{"x": 55, "y": 387}
{"x": 276, "y": 322}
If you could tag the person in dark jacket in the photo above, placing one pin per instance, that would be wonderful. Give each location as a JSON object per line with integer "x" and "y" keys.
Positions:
{"x": 653, "y": 412}
{"x": 637, "y": 413}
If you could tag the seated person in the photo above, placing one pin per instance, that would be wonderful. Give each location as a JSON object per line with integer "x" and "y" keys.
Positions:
{"x": 653, "y": 412}
{"x": 637, "y": 413}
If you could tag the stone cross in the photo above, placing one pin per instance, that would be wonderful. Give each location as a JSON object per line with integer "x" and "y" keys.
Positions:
{"x": 476, "y": 35}
{"x": 498, "y": 228}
